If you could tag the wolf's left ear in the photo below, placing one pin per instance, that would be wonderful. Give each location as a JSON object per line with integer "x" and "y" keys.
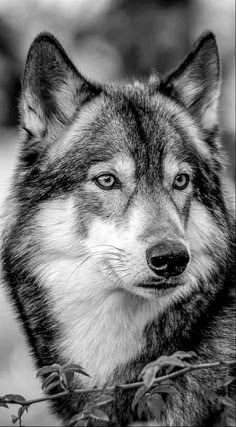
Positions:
{"x": 196, "y": 82}
{"x": 52, "y": 90}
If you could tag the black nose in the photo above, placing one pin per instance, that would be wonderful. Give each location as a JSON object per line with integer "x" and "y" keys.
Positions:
{"x": 168, "y": 259}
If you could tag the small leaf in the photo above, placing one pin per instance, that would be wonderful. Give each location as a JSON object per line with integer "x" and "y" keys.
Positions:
{"x": 228, "y": 381}
{"x": 52, "y": 386}
{"x": 21, "y": 410}
{"x": 149, "y": 376}
{"x": 184, "y": 355}
{"x": 14, "y": 397}
{"x": 168, "y": 361}
{"x": 226, "y": 401}
{"x": 79, "y": 420}
{"x": 49, "y": 379}
{"x": 78, "y": 371}
{"x": 63, "y": 381}
{"x": 69, "y": 377}
{"x": 156, "y": 364}
{"x": 98, "y": 414}
{"x": 175, "y": 361}
{"x": 48, "y": 370}
{"x": 88, "y": 407}
{"x": 141, "y": 407}
{"x": 14, "y": 419}
{"x": 104, "y": 399}
{"x": 156, "y": 405}
{"x": 165, "y": 388}
{"x": 71, "y": 366}
{"x": 75, "y": 368}
{"x": 140, "y": 393}
{"x": 170, "y": 369}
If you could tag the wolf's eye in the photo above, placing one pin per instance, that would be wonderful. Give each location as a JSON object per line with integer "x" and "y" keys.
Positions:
{"x": 181, "y": 181}
{"x": 107, "y": 181}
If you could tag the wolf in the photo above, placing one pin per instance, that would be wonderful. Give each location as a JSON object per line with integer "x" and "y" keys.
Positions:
{"x": 118, "y": 244}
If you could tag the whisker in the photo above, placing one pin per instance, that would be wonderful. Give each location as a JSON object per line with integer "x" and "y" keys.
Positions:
{"x": 109, "y": 246}
{"x": 115, "y": 257}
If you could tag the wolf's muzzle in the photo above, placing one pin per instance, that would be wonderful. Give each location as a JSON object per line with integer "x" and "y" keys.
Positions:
{"x": 167, "y": 259}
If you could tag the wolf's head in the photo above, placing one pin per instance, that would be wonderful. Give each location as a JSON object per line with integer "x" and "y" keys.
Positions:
{"x": 119, "y": 184}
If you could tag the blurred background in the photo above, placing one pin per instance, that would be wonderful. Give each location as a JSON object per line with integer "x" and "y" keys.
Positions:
{"x": 107, "y": 40}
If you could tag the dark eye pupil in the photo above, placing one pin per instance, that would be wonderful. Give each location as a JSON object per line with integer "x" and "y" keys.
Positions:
{"x": 105, "y": 181}
{"x": 108, "y": 179}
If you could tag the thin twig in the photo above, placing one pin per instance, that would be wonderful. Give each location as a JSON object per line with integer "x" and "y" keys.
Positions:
{"x": 129, "y": 386}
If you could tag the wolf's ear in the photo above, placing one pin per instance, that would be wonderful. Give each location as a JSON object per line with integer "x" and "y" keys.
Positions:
{"x": 196, "y": 82}
{"x": 52, "y": 89}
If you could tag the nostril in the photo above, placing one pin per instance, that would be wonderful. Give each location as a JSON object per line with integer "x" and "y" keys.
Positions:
{"x": 179, "y": 264}
{"x": 160, "y": 262}
{"x": 183, "y": 258}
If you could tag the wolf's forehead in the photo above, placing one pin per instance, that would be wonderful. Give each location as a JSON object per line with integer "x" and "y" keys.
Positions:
{"x": 143, "y": 126}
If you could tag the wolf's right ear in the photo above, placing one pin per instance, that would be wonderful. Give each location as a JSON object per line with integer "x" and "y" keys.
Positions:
{"x": 52, "y": 91}
{"x": 196, "y": 82}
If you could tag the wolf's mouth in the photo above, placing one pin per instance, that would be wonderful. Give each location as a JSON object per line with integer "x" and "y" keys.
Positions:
{"x": 159, "y": 285}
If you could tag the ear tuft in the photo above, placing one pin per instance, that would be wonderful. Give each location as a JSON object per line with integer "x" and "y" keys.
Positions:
{"x": 196, "y": 82}
{"x": 52, "y": 89}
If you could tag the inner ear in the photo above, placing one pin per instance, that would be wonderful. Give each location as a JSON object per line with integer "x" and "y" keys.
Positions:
{"x": 52, "y": 91}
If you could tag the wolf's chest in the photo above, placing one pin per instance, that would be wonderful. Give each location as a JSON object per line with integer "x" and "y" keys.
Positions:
{"x": 103, "y": 340}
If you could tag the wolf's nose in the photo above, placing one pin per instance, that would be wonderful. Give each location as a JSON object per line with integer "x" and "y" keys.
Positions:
{"x": 168, "y": 259}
